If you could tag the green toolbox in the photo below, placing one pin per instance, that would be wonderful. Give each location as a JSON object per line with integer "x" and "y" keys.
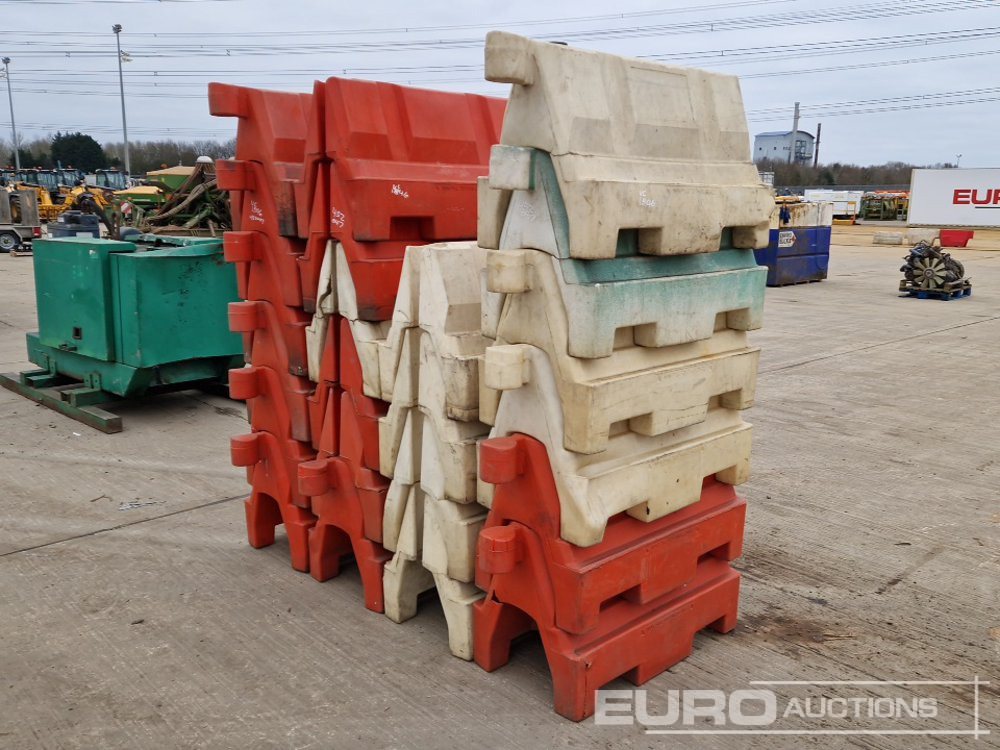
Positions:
{"x": 124, "y": 319}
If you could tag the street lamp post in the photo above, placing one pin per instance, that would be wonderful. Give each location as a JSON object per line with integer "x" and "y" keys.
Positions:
{"x": 13, "y": 127}
{"x": 117, "y": 28}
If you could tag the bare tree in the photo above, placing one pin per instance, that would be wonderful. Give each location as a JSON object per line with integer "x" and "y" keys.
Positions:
{"x": 146, "y": 156}
{"x": 797, "y": 175}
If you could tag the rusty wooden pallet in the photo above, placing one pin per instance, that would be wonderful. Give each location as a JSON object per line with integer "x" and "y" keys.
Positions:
{"x": 69, "y": 397}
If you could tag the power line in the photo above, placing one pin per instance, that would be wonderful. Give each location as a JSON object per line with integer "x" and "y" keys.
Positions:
{"x": 149, "y": 133}
{"x": 222, "y": 49}
{"x": 881, "y": 100}
{"x": 153, "y": 84}
{"x": 851, "y": 111}
{"x": 873, "y": 64}
{"x": 831, "y": 109}
{"x": 833, "y": 47}
{"x": 132, "y": 95}
{"x": 159, "y": 80}
{"x": 700, "y": 8}
{"x": 108, "y": 2}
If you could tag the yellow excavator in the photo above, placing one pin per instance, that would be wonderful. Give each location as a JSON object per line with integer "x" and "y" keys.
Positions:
{"x": 91, "y": 200}
{"x": 44, "y": 184}
{"x": 55, "y": 197}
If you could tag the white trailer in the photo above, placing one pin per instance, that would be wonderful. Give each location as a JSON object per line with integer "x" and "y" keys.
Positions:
{"x": 19, "y": 224}
{"x": 846, "y": 203}
{"x": 955, "y": 198}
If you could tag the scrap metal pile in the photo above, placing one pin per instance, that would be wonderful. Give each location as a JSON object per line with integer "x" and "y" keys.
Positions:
{"x": 198, "y": 207}
{"x": 928, "y": 271}
{"x": 498, "y": 350}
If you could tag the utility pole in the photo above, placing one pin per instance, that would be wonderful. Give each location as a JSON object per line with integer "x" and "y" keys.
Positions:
{"x": 13, "y": 127}
{"x": 794, "y": 134}
{"x": 117, "y": 28}
{"x": 819, "y": 128}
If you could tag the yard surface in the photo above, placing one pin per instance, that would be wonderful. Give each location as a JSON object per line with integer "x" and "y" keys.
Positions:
{"x": 133, "y": 614}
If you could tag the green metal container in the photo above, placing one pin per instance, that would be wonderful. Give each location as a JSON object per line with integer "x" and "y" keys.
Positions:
{"x": 126, "y": 317}
{"x": 172, "y": 177}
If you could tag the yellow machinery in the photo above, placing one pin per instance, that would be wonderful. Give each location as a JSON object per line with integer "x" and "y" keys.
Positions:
{"x": 82, "y": 195}
{"x": 91, "y": 200}
{"x": 47, "y": 210}
{"x": 885, "y": 205}
{"x": 54, "y": 197}
{"x": 45, "y": 183}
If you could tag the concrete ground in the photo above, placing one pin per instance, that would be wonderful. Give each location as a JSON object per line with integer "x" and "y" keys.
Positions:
{"x": 134, "y": 615}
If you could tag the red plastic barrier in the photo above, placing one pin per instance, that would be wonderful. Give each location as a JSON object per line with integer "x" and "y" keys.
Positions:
{"x": 351, "y": 374}
{"x": 635, "y": 601}
{"x": 405, "y": 160}
{"x": 316, "y": 246}
{"x": 313, "y": 202}
{"x": 272, "y": 131}
{"x": 634, "y": 641}
{"x": 274, "y": 500}
{"x": 272, "y": 124}
{"x": 636, "y": 560}
{"x": 266, "y": 267}
{"x": 324, "y": 403}
{"x": 311, "y": 199}
{"x": 273, "y": 335}
{"x": 272, "y": 464}
{"x": 271, "y": 404}
{"x": 274, "y": 255}
{"x": 372, "y": 489}
{"x": 340, "y": 527}
{"x": 956, "y": 237}
{"x": 264, "y": 512}
{"x": 358, "y": 438}
{"x": 325, "y": 417}
{"x": 277, "y": 210}
{"x": 403, "y": 171}
{"x": 236, "y": 207}
{"x": 272, "y": 212}
{"x": 329, "y": 365}
{"x": 294, "y": 390}
{"x": 375, "y": 270}
{"x": 306, "y": 402}
{"x": 359, "y": 416}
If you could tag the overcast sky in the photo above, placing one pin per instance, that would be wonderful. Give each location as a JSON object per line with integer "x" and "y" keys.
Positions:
{"x": 866, "y": 70}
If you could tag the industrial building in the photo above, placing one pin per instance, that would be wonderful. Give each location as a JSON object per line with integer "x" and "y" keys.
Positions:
{"x": 777, "y": 145}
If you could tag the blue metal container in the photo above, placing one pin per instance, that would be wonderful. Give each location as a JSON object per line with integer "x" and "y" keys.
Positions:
{"x": 797, "y": 255}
